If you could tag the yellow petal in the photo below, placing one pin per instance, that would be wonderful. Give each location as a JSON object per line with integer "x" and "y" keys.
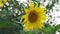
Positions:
{"x": 36, "y": 4}
{"x": 26, "y": 10}
{"x": 31, "y": 4}
{"x": 1, "y": 5}
{"x": 5, "y": 1}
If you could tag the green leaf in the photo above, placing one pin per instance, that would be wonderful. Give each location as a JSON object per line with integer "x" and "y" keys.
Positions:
{"x": 9, "y": 28}
{"x": 51, "y": 29}
{"x": 8, "y": 25}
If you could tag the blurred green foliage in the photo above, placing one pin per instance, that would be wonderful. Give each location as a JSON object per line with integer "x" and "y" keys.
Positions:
{"x": 51, "y": 29}
{"x": 9, "y": 23}
{"x": 50, "y": 6}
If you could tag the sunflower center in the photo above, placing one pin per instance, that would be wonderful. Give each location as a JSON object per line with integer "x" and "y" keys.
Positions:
{"x": 32, "y": 16}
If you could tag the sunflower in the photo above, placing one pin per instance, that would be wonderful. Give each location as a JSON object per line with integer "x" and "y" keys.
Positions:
{"x": 35, "y": 17}
{"x": 2, "y": 2}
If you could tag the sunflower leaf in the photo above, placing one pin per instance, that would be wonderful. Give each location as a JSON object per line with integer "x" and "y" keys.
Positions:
{"x": 51, "y": 29}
